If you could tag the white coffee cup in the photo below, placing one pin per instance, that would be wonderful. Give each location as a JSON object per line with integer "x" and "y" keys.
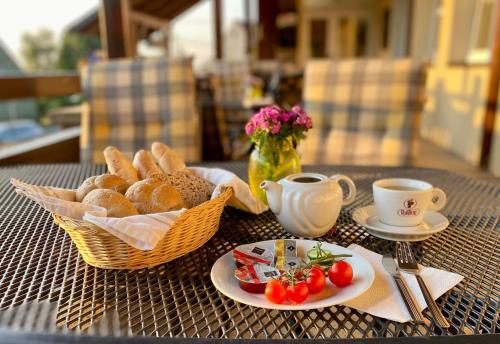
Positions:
{"x": 403, "y": 202}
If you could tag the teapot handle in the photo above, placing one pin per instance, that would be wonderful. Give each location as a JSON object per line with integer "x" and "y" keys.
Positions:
{"x": 352, "y": 188}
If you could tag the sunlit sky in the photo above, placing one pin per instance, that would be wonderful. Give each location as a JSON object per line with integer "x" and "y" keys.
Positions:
{"x": 194, "y": 28}
{"x": 18, "y": 16}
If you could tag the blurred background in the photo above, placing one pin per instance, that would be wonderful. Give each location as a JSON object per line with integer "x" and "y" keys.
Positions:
{"x": 45, "y": 45}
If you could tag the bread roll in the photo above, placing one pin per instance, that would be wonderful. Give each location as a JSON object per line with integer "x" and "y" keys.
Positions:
{"x": 168, "y": 160}
{"x": 152, "y": 196}
{"x": 145, "y": 165}
{"x": 87, "y": 186}
{"x": 119, "y": 165}
{"x": 193, "y": 189}
{"x": 104, "y": 181}
{"x": 112, "y": 182}
{"x": 114, "y": 202}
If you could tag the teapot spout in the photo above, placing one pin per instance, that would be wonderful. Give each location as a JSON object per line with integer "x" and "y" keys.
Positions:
{"x": 273, "y": 192}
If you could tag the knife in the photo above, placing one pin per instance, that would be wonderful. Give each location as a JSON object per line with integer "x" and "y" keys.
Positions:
{"x": 391, "y": 267}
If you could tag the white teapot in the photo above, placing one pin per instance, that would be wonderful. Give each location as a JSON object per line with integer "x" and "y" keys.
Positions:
{"x": 308, "y": 204}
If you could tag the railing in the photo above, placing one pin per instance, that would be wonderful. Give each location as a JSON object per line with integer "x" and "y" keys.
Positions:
{"x": 39, "y": 86}
{"x": 61, "y": 146}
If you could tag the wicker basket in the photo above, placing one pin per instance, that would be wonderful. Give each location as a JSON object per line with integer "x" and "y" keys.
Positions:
{"x": 192, "y": 229}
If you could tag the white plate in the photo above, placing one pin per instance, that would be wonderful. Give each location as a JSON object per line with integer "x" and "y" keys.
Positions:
{"x": 434, "y": 222}
{"x": 222, "y": 275}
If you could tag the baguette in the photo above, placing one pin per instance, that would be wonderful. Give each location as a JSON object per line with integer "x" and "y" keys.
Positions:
{"x": 146, "y": 166}
{"x": 119, "y": 165}
{"x": 167, "y": 158}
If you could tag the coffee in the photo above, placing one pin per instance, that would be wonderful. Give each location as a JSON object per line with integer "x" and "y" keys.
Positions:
{"x": 400, "y": 188}
{"x": 306, "y": 180}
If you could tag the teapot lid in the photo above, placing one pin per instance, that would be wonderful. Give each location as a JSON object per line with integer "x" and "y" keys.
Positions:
{"x": 306, "y": 178}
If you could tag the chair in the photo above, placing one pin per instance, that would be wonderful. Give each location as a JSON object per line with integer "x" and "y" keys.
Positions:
{"x": 132, "y": 103}
{"x": 230, "y": 80}
{"x": 364, "y": 112}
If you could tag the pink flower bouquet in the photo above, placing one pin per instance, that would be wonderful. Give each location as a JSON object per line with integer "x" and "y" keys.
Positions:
{"x": 278, "y": 124}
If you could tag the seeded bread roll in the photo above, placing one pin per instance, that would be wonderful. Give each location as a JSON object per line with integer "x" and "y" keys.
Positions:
{"x": 167, "y": 158}
{"x": 119, "y": 165}
{"x": 87, "y": 186}
{"x": 104, "y": 181}
{"x": 193, "y": 189}
{"x": 152, "y": 196}
{"x": 145, "y": 165}
{"x": 114, "y": 202}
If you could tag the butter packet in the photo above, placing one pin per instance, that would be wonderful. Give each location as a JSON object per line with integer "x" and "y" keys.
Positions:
{"x": 285, "y": 254}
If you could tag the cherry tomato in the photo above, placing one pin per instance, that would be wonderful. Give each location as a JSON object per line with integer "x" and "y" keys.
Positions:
{"x": 315, "y": 280}
{"x": 340, "y": 273}
{"x": 275, "y": 292}
{"x": 317, "y": 266}
{"x": 297, "y": 293}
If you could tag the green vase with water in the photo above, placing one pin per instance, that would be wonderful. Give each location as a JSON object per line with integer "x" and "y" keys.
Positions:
{"x": 271, "y": 159}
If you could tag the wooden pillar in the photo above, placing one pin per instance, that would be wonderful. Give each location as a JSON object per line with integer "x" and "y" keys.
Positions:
{"x": 493, "y": 87}
{"x": 128, "y": 27}
{"x": 111, "y": 27}
{"x": 269, "y": 32}
{"x": 218, "y": 28}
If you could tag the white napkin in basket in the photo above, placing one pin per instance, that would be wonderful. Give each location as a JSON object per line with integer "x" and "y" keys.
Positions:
{"x": 140, "y": 231}
{"x": 383, "y": 298}
{"x": 56, "y": 200}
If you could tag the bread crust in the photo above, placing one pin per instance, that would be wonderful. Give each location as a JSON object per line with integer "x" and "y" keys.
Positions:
{"x": 112, "y": 182}
{"x": 167, "y": 158}
{"x": 87, "y": 186}
{"x": 145, "y": 165}
{"x": 153, "y": 196}
{"x": 193, "y": 189}
{"x": 119, "y": 165}
{"x": 103, "y": 181}
{"x": 114, "y": 202}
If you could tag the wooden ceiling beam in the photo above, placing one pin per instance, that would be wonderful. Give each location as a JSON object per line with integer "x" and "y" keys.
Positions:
{"x": 181, "y": 7}
{"x": 148, "y": 20}
{"x": 166, "y": 10}
{"x": 156, "y": 7}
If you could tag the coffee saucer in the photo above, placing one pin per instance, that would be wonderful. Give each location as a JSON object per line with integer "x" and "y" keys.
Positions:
{"x": 433, "y": 222}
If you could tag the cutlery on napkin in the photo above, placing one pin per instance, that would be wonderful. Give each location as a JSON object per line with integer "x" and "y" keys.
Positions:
{"x": 383, "y": 299}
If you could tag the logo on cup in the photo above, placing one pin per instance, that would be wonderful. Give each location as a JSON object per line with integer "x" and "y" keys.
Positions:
{"x": 409, "y": 208}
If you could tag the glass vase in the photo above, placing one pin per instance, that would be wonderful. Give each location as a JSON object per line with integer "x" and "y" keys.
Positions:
{"x": 271, "y": 161}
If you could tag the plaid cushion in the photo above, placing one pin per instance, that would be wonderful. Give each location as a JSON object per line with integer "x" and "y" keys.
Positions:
{"x": 132, "y": 103}
{"x": 363, "y": 111}
{"x": 230, "y": 80}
